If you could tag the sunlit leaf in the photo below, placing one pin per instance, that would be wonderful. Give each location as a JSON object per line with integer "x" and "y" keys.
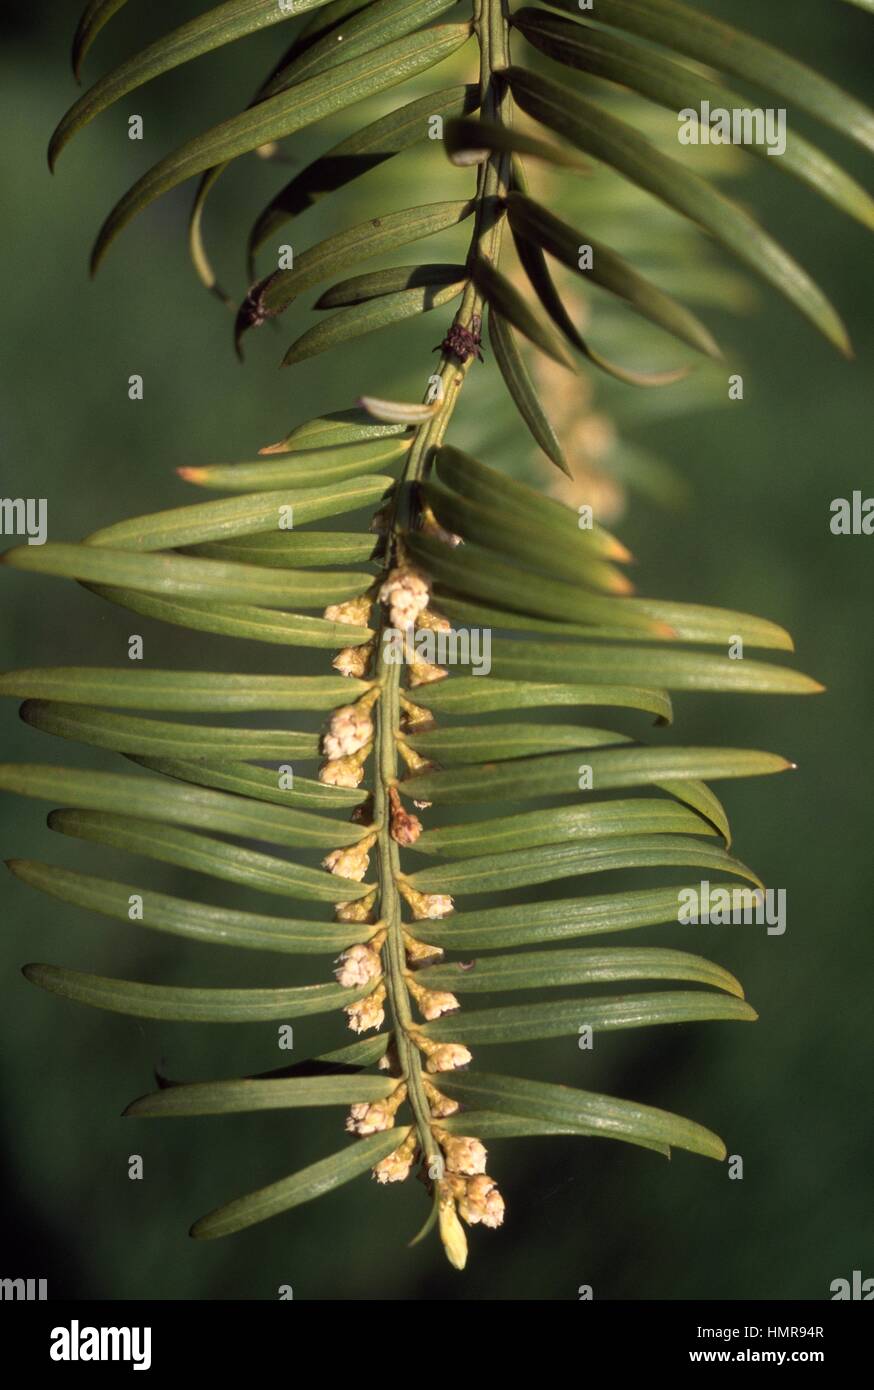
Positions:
{"x": 283, "y": 114}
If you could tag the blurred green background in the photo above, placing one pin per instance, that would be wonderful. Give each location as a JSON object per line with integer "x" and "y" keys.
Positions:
{"x": 791, "y": 1094}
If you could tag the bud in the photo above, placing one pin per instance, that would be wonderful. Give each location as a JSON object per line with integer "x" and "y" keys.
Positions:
{"x": 447, "y": 1057}
{"x": 433, "y": 621}
{"x": 406, "y": 593}
{"x": 413, "y": 760}
{"x": 415, "y": 716}
{"x": 481, "y": 1202}
{"x": 357, "y": 966}
{"x": 355, "y": 611}
{"x": 464, "y": 1155}
{"x": 380, "y": 522}
{"x": 421, "y": 952}
{"x": 405, "y": 829}
{"x": 353, "y": 661}
{"x": 352, "y": 862}
{"x": 365, "y": 1118}
{"x": 441, "y": 1106}
{"x": 373, "y": 1117}
{"x": 432, "y": 1002}
{"x": 425, "y": 905}
{"x": 343, "y": 772}
{"x": 368, "y": 1012}
{"x": 430, "y": 526}
{"x": 351, "y": 727}
{"x": 361, "y": 910}
{"x": 451, "y": 1229}
{"x": 396, "y": 1167}
{"x": 425, "y": 672}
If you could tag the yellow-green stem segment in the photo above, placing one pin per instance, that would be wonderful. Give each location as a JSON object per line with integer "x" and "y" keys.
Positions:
{"x": 492, "y": 30}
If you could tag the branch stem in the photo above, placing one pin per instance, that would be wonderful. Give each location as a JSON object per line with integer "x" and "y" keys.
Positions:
{"x": 491, "y": 24}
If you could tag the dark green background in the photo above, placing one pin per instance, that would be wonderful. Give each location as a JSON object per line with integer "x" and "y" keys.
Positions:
{"x": 791, "y": 1093}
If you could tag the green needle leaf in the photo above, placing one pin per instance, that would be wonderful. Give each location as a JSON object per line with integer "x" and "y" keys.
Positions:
{"x": 281, "y": 115}
{"x": 347, "y": 324}
{"x": 96, "y": 14}
{"x": 370, "y": 26}
{"x": 360, "y": 152}
{"x": 179, "y": 576}
{"x": 536, "y": 543}
{"x": 676, "y": 670}
{"x": 534, "y": 263}
{"x": 517, "y": 380}
{"x": 257, "y": 783}
{"x": 200, "y": 692}
{"x": 730, "y": 50}
{"x": 360, "y": 288}
{"x": 526, "y": 924}
{"x": 178, "y": 804}
{"x": 472, "y": 743}
{"x": 675, "y": 86}
{"x": 564, "y": 1017}
{"x": 529, "y": 220}
{"x": 506, "y": 497}
{"x": 619, "y": 145}
{"x": 467, "y": 140}
{"x": 181, "y": 917}
{"x": 498, "y": 873}
{"x": 375, "y": 237}
{"x": 594, "y": 1114}
{"x": 222, "y": 25}
{"x": 570, "y": 823}
{"x": 547, "y": 969}
{"x": 178, "y": 1004}
{"x": 241, "y": 516}
{"x": 204, "y": 855}
{"x": 478, "y": 573}
{"x": 478, "y": 695}
{"x": 245, "y": 1096}
{"x": 502, "y": 295}
{"x": 321, "y": 463}
{"x": 129, "y": 734}
{"x": 290, "y": 550}
{"x": 558, "y": 774}
{"x": 310, "y": 1182}
{"x": 238, "y": 620}
{"x": 490, "y": 1124}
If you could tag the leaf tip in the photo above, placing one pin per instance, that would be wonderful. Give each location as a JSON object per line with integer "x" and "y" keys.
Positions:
{"x": 56, "y": 144}
{"x": 615, "y": 550}
{"x": 95, "y": 260}
{"x": 620, "y": 584}
{"x": 843, "y": 342}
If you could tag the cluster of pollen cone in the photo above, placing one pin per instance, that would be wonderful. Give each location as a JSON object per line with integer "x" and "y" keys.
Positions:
{"x": 463, "y": 1186}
